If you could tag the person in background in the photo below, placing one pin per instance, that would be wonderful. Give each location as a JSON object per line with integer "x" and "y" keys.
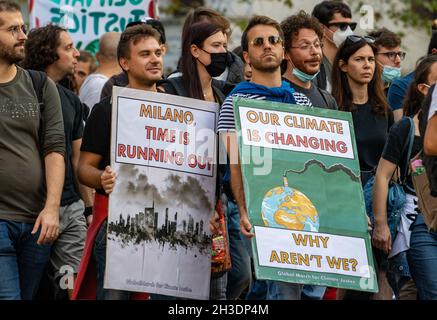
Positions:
{"x": 389, "y": 54}
{"x": 335, "y": 18}
{"x": 86, "y": 64}
{"x": 50, "y": 49}
{"x": 247, "y": 69}
{"x": 398, "y": 88}
{"x": 91, "y": 88}
{"x": 233, "y": 73}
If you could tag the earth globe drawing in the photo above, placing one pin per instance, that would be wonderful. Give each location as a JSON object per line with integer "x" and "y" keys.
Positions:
{"x": 288, "y": 208}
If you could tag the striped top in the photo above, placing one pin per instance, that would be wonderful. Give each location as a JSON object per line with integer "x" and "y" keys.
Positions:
{"x": 226, "y": 120}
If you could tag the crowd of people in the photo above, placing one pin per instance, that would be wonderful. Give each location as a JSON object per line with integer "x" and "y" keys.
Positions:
{"x": 55, "y": 128}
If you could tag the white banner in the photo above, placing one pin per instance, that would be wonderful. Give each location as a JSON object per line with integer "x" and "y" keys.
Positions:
{"x": 296, "y": 132}
{"x": 312, "y": 251}
{"x": 163, "y": 149}
{"x": 87, "y": 20}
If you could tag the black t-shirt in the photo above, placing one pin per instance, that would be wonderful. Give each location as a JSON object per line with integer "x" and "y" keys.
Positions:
{"x": 97, "y": 134}
{"x": 397, "y": 140}
{"x": 315, "y": 95}
{"x": 371, "y": 132}
{"x": 72, "y": 112}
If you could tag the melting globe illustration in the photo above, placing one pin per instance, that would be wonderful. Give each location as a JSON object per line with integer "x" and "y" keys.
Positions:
{"x": 286, "y": 207}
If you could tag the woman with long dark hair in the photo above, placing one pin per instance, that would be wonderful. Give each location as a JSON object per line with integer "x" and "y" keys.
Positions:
{"x": 358, "y": 88}
{"x": 393, "y": 156}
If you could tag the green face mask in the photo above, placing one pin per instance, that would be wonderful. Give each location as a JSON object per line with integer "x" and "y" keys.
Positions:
{"x": 389, "y": 74}
{"x": 304, "y": 77}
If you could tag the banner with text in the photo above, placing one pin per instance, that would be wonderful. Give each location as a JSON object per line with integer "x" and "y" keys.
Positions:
{"x": 304, "y": 197}
{"x": 163, "y": 149}
{"x": 87, "y": 20}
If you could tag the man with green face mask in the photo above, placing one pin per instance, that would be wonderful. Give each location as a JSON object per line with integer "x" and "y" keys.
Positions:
{"x": 303, "y": 56}
{"x": 389, "y": 54}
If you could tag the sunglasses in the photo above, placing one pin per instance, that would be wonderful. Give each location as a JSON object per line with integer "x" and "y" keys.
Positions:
{"x": 343, "y": 25}
{"x": 259, "y": 41}
{"x": 355, "y": 39}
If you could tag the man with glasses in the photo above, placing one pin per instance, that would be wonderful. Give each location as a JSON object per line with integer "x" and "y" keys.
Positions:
{"x": 336, "y": 20}
{"x": 32, "y": 164}
{"x": 389, "y": 54}
{"x": 303, "y": 57}
{"x": 262, "y": 44}
{"x": 398, "y": 89}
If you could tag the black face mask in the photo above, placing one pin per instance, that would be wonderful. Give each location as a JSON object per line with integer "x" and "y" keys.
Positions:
{"x": 219, "y": 62}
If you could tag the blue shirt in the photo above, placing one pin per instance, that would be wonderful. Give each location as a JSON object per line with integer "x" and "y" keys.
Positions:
{"x": 398, "y": 90}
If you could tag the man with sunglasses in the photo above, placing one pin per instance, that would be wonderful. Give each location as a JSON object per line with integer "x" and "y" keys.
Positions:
{"x": 262, "y": 44}
{"x": 335, "y": 18}
{"x": 32, "y": 164}
{"x": 303, "y": 57}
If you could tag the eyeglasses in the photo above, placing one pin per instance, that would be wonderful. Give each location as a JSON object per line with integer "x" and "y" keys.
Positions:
{"x": 15, "y": 30}
{"x": 307, "y": 46}
{"x": 393, "y": 54}
{"x": 343, "y": 25}
{"x": 355, "y": 39}
{"x": 259, "y": 41}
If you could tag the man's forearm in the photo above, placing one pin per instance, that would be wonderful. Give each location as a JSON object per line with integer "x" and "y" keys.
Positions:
{"x": 90, "y": 176}
{"x": 55, "y": 176}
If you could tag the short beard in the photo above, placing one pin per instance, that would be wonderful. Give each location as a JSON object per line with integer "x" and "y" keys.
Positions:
{"x": 10, "y": 56}
{"x": 266, "y": 69}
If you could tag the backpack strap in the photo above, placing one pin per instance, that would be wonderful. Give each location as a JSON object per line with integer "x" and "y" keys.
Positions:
{"x": 39, "y": 80}
{"x": 408, "y": 143}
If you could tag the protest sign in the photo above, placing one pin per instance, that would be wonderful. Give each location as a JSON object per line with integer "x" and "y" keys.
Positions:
{"x": 303, "y": 193}
{"x": 163, "y": 149}
{"x": 87, "y": 20}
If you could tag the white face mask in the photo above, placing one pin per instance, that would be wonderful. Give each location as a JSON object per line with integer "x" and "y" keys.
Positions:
{"x": 340, "y": 36}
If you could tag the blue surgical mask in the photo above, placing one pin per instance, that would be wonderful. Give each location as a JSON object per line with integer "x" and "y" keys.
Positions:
{"x": 389, "y": 74}
{"x": 304, "y": 77}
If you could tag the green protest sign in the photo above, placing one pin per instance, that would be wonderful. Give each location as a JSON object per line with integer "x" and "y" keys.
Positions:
{"x": 303, "y": 193}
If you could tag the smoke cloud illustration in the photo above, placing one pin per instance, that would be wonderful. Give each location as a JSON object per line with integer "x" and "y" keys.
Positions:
{"x": 188, "y": 193}
{"x": 138, "y": 184}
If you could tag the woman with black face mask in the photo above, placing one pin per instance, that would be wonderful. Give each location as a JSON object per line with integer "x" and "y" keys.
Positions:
{"x": 204, "y": 56}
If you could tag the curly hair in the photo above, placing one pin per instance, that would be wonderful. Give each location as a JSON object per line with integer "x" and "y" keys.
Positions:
{"x": 292, "y": 25}
{"x": 40, "y": 47}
